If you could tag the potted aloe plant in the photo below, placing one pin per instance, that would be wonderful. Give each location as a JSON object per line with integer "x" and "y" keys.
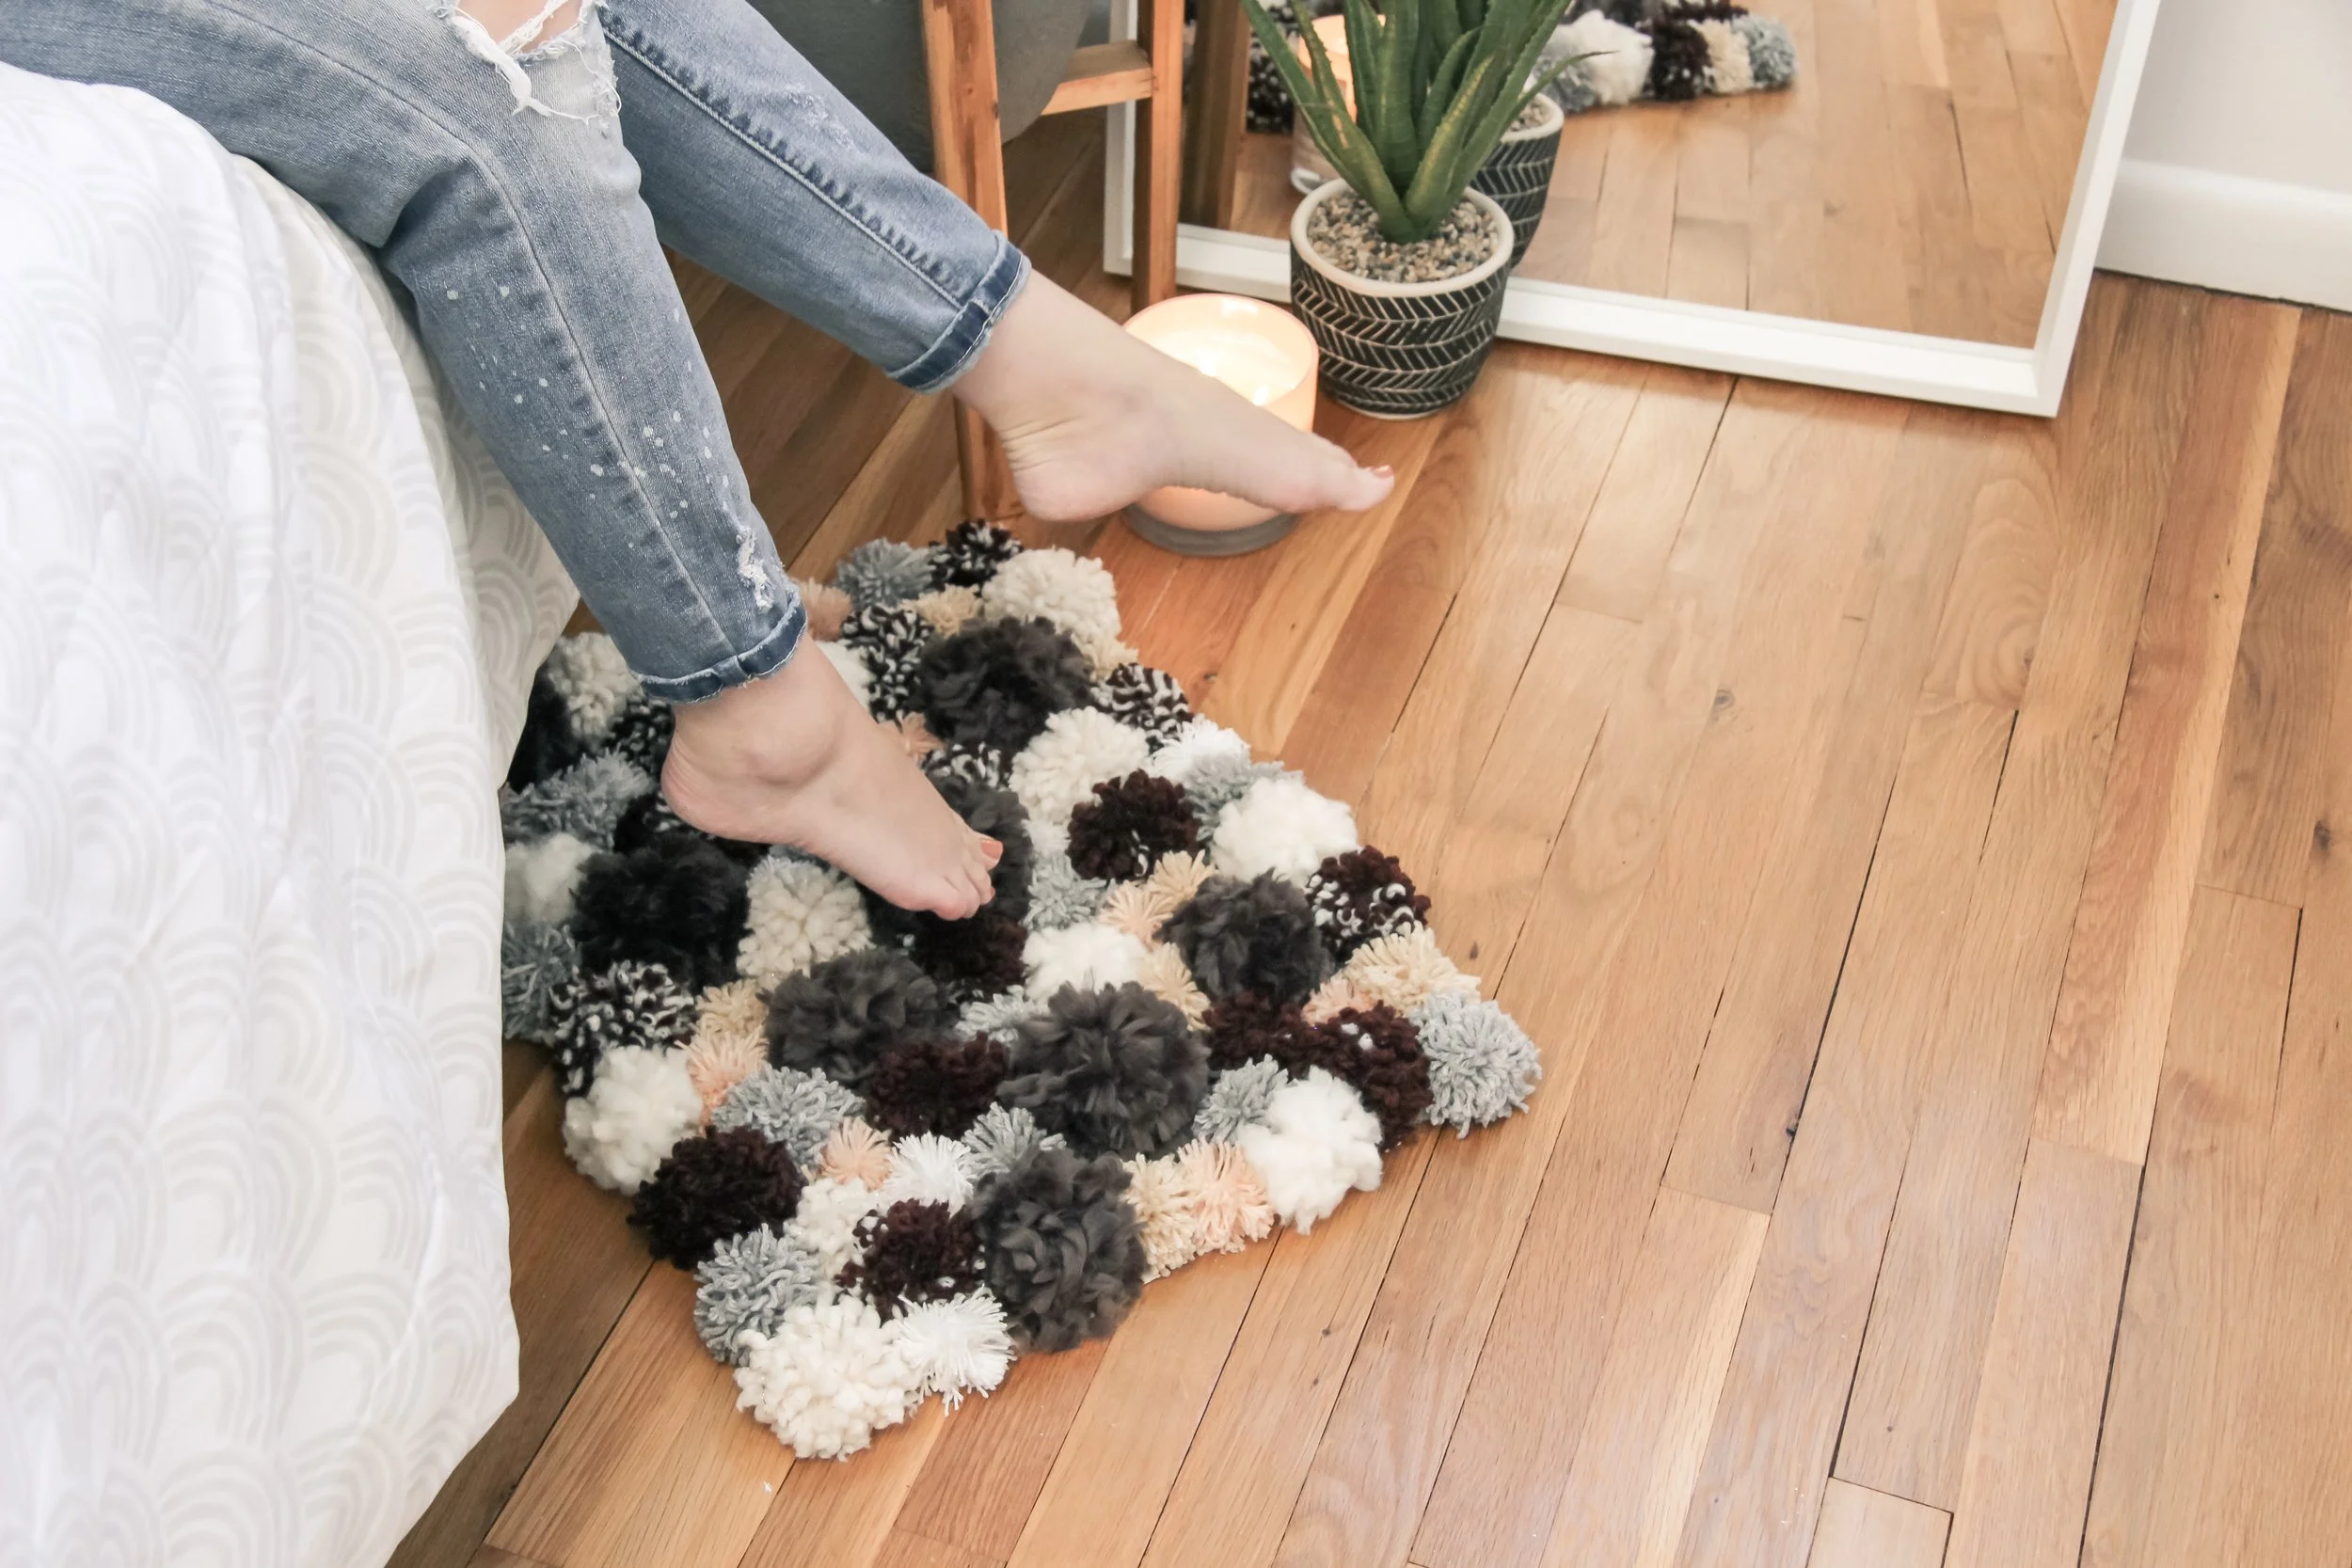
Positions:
{"x": 1398, "y": 266}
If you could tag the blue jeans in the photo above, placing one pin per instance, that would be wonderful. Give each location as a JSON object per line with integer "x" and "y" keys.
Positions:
{"x": 522, "y": 201}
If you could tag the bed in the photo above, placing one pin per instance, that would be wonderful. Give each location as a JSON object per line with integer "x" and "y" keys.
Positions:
{"x": 267, "y": 619}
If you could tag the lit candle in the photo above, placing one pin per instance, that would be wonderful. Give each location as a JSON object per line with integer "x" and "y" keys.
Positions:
{"x": 1261, "y": 351}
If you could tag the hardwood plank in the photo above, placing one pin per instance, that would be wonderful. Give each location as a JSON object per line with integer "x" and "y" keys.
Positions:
{"x": 2258, "y": 840}
{"x": 490, "y": 1557}
{"x": 1711, "y": 161}
{"x": 1621, "y": 555}
{"x": 1633, "y": 223}
{"x": 2001, "y": 592}
{"x": 2026, "y": 1482}
{"x": 1631, "y": 1485}
{"x": 1907, "y": 1430}
{"x": 1785, "y": 208}
{"x": 982, "y": 1477}
{"x": 2107, "y": 1046}
{"x": 2190, "y": 1305}
{"x": 1784, "y": 1398}
{"x": 839, "y": 1515}
{"x": 1529, "y": 1398}
{"x": 906, "y": 1549}
{"x": 1862, "y": 1529}
{"x": 1708, "y": 262}
{"x": 1865, "y": 203}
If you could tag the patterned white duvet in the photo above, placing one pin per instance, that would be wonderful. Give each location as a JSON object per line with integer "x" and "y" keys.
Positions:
{"x": 265, "y": 626}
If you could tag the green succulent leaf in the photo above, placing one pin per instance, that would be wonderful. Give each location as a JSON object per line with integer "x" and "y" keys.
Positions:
{"x": 1400, "y": 46}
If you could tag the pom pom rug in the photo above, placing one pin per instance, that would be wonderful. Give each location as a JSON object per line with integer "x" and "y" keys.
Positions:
{"x": 898, "y": 1152}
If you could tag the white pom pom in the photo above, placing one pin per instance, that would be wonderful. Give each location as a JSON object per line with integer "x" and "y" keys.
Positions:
{"x": 1281, "y": 826}
{"x": 1315, "y": 1142}
{"x": 928, "y": 1168}
{"x": 1071, "y": 591}
{"x": 1201, "y": 740}
{"x": 1619, "y": 66}
{"x": 830, "y": 1377}
{"x": 800, "y": 914}
{"x": 1088, "y": 956}
{"x": 956, "y": 1345}
{"x": 826, "y": 1221}
{"x": 851, "y": 664}
{"x": 593, "y": 680}
{"x": 640, "y": 1103}
{"x": 1080, "y": 747}
{"x": 540, "y": 877}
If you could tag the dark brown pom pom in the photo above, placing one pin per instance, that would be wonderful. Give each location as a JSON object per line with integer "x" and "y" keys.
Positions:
{"x": 914, "y": 1251}
{"x": 1122, "y": 833}
{"x": 976, "y": 956}
{"x": 933, "y": 1085}
{"x": 1244, "y": 1027}
{"x": 714, "y": 1186}
{"x": 1378, "y": 1051}
{"x": 1679, "y": 64}
{"x": 1362, "y": 895}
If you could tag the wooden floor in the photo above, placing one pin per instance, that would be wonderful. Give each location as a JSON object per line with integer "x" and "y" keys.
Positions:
{"x": 1909, "y": 834}
{"x": 1916, "y": 177}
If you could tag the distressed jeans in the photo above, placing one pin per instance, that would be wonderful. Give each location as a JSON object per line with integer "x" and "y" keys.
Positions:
{"x": 521, "y": 197}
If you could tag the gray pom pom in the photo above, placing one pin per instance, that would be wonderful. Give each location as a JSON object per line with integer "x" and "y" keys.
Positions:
{"x": 1480, "y": 1063}
{"x": 1064, "y": 1253}
{"x": 747, "y": 1284}
{"x": 584, "y": 800}
{"x": 1114, "y": 1070}
{"x": 840, "y": 1016}
{"x": 1237, "y": 1097}
{"x": 1771, "y": 55}
{"x": 797, "y": 1109}
{"x": 1572, "y": 89}
{"x": 999, "y": 1017}
{"x": 1003, "y": 1138}
{"x": 534, "y": 961}
{"x": 1221, "y": 780}
{"x": 883, "y": 571}
{"x": 1058, "y": 896}
{"x": 1259, "y": 935}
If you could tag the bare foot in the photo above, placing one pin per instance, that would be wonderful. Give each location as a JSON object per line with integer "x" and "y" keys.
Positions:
{"x": 792, "y": 759}
{"x": 1091, "y": 418}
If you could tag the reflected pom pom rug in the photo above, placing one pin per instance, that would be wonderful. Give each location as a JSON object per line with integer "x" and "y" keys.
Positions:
{"x": 897, "y": 1151}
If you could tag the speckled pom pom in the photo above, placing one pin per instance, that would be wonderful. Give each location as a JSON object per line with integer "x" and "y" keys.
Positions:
{"x": 1120, "y": 834}
{"x": 1679, "y": 62}
{"x": 1362, "y": 895}
{"x": 839, "y": 1016}
{"x": 1482, "y": 1065}
{"x": 799, "y": 1110}
{"x": 883, "y": 572}
{"x": 533, "y": 961}
{"x": 934, "y": 1086}
{"x": 996, "y": 683}
{"x": 641, "y": 734}
{"x": 1379, "y": 1051}
{"x": 890, "y": 639}
{"x": 913, "y": 1251}
{"x": 584, "y": 800}
{"x": 679, "y": 903}
{"x": 1116, "y": 1072}
{"x": 714, "y": 1186}
{"x": 600, "y": 1009}
{"x": 971, "y": 553}
{"x": 1145, "y": 699}
{"x": 747, "y": 1285}
{"x": 1061, "y": 1246}
{"x": 1257, "y": 935}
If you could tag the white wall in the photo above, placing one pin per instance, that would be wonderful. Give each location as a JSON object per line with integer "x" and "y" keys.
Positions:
{"x": 2238, "y": 172}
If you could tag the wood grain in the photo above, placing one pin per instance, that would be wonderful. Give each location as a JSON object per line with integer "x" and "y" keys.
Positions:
{"x": 1861, "y": 1528}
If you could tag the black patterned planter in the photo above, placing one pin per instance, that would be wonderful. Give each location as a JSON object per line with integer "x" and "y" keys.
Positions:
{"x": 1519, "y": 176}
{"x": 1398, "y": 350}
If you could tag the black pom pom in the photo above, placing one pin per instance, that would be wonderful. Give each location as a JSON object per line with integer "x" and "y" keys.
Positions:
{"x": 1360, "y": 896}
{"x": 624, "y": 1004}
{"x": 1257, "y": 935}
{"x": 892, "y": 639}
{"x": 1146, "y": 699}
{"x": 971, "y": 553}
{"x": 546, "y": 747}
{"x": 649, "y": 819}
{"x": 714, "y": 1186}
{"x": 1679, "y": 65}
{"x": 1061, "y": 1247}
{"x": 996, "y": 683}
{"x": 641, "y": 733}
{"x": 1115, "y": 1071}
{"x": 1250, "y": 1025}
{"x": 678, "y": 902}
{"x": 933, "y": 1085}
{"x": 838, "y": 1017}
{"x": 976, "y": 957}
{"x": 914, "y": 1251}
{"x": 1378, "y": 1051}
{"x": 1120, "y": 834}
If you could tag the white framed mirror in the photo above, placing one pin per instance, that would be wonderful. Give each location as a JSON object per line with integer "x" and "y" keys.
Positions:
{"x": 1914, "y": 214}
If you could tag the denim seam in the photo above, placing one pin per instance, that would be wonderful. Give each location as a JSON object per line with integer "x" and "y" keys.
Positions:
{"x": 628, "y": 46}
{"x": 506, "y": 198}
{"x": 763, "y": 658}
{"x": 968, "y": 333}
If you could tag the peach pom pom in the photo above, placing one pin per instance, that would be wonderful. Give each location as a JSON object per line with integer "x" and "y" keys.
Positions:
{"x": 730, "y": 1041}
{"x": 1338, "y": 994}
{"x": 856, "y": 1152}
{"x": 1229, "y": 1203}
{"x": 946, "y": 609}
{"x": 827, "y": 607}
{"x": 1164, "y": 974}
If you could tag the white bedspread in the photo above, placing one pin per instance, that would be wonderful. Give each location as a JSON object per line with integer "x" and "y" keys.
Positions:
{"x": 265, "y": 627}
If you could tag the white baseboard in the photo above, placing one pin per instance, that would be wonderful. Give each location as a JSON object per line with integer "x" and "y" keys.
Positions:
{"x": 2224, "y": 231}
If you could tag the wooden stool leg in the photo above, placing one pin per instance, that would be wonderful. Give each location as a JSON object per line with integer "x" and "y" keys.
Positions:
{"x": 968, "y": 157}
{"x": 1159, "y": 151}
{"x": 1220, "y": 96}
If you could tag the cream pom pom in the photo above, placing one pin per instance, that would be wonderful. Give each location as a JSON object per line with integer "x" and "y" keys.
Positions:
{"x": 1281, "y": 826}
{"x": 1164, "y": 974}
{"x": 1315, "y": 1142}
{"x": 958, "y": 1345}
{"x": 1336, "y": 996}
{"x": 856, "y": 1151}
{"x": 798, "y": 913}
{"x": 1165, "y": 1199}
{"x": 851, "y": 664}
{"x": 540, "y": 877}
{"x": 1088, "y": 956}
{"x": 946, "y": 609}
{"x": 928, "y": 1168}
{"x": 1619, "y": 64}
{"x": 593, "y": 680}
{"x": 1176, "y": 878}
{"x": 1404, "y": 969}
{"x": 640, "y": 1103}
{"x": 826, "y": 1221}
{"x": 1200, "y": 742}
{"x": 1729, "y": 70}
{"x": 830, "y": 1377}
{"x": 730, "y": 1041}
{"x": 1107, "y": 654}
{"x": 1229, "y": 1207}
{"x": 1073, "y": 592}
{"x": 1080, "y": 748}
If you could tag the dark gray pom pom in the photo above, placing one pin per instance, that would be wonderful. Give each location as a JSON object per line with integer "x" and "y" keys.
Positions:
{"x": 534, "y": 961}
{"x": 584, "y": 800}
{"x": 838, "y": 1017}
{"x": 678, "y": 902}
{"x": 1061, "y": 1247}
{"x": 1114, "y": 1070}
{"x": 1257, "y": 935}
{"x": 624, "y": 1004}
{"x": 996, "y": 683}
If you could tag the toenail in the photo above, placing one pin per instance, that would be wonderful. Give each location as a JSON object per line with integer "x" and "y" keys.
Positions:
{"x": 1384, "y": 471}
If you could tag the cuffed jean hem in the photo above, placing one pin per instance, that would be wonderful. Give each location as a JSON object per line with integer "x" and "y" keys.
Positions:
{"x": 952, "y": 354}
{"x": 770, "y": 655}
